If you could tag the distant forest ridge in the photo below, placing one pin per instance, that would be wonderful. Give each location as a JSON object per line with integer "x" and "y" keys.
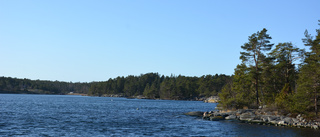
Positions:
{"x": 150, "y": 85}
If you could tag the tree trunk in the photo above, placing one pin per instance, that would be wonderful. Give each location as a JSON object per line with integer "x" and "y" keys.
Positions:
{"x": 257, "y": 77}
{"x": 257, "y": 92}
{"x": 315, "y": 103}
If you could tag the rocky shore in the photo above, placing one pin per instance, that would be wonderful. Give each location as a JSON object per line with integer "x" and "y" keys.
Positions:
{"x": 257, "y": 116}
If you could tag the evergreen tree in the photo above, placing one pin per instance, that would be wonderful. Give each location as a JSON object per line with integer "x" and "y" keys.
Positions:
{"x": 309, "y": 77}
{"x": 285, "y": 55}
{"x": 253, "y": 55}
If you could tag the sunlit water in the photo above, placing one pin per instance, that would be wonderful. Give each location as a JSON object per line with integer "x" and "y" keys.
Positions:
{"x": 58, "y": 115}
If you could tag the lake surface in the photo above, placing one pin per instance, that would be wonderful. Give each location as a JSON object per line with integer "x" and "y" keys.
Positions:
{"x": 62, "y": 115}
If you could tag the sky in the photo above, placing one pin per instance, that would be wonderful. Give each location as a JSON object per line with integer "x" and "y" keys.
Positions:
{"x": 94, "y": 40}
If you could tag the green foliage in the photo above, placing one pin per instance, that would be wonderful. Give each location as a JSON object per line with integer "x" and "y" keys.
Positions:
{"x": 280, "y": 83}
{"x": 154, "y": 86}
{"x": 253, "y": 55}
{"x": 27, "y": 86}
{"x": 239, "y": 93}
{"x": 151, "y": 85}
{"x": 282, "y": 99}
{"x": 227, "y": 97}
{"x": 309, "y": 77}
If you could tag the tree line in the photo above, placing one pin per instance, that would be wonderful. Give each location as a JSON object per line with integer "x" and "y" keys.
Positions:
{"x": 269, "y": 75}
{"x": 155, "y": 86}
{"x": 27, "y": 86}
{"x": 150, "y": 85}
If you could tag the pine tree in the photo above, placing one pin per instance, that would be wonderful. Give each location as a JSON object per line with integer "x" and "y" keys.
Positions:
{"x": 285, "y": 54}
{"x": 258, "y": 43}
{"x": 309, "y": 77}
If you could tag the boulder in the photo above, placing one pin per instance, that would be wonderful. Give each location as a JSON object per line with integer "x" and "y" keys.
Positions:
{"x": 256, "y": 121}
{"x": 288, "y": 120}
{"x": 231, "y": 117}
{"x": 247, "y": 116}
{"x": 216, "y": 118}
{"x": 273, "y": 118}
{"x": 212, "y": 99}
{"x": 268, "y": 113}
{"x": 275, "y": 122}
{"x": 281, "y": 122}
{"x": 195, "y": 113}
{"x": 295, "y": 120}
{"x": 314, "y": 126}
{"x": 264, "y": 118}
{"x": 240, "y": 111}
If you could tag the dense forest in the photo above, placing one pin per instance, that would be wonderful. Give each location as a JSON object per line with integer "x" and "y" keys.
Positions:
{"x": 150, "y": 85}
{"x": 153, "y": 86}
{"x": 27, "y": 86}
{"x": 281, "y": 76}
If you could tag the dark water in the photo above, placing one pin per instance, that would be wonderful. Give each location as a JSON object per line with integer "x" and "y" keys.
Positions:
{"x": 55, "y": 115}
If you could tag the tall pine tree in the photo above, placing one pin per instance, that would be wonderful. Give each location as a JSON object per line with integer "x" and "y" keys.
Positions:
{"x": 309, "y": 77}
{"x": 254, "y": 54}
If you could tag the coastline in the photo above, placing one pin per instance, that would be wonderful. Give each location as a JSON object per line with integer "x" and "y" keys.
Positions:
{"x": 258, "y": 116}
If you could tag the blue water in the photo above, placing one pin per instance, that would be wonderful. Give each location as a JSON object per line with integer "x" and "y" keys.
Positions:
{"x": 61, "y": 115}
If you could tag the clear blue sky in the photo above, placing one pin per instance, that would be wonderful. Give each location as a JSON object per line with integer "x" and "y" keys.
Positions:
{"x": 94, "y": 40}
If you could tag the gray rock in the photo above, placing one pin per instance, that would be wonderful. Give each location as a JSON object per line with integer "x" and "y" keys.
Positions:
{"x": 295, "y": 120}
{"x": 231, "y": 117}
{"x": 273, "y": 118}
{"x": 264, "y": 118}
{"x": 216, "y": 118}
{"x": 247, "y": 116}
{"x": 268, "y": 113}
{"x": 274, "y": 122}
{"x": 195, "y": 113}
{"x": 298, "y": 116}
{"x": 288, "y": 120}
{"x": 314, "y": 126}
{"x": 240, "y": 111}
{"x": 231, "y": 113}
{"x": 256, "y": 121}
{"x": 223, "y": 114}
{"x": 281, "y": 122}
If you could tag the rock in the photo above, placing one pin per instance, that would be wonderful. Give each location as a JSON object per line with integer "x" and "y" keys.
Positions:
{"x": 281, "y": 122}
{"x": 275, "y": 122}
{"x": 216, "y": 118}
{"x": 298, "y": 116}
{"x": 247, "y": 116}
{"x": 314, "y": 126}
{"x": 240, "y": 111}
{"x": 295, "y": 120}
{"x": 273, "y": 118}
{"x": 223, "y": 114}
{"x": 231, "y": 117}
{"x": 268, "y": 113}
{"x": 195, "y": 113}
{"x": 255, "y": 116}
{"x": 212, "y": 99}
{"x": 256, "y": 121}
{"x": 231, "y": 113}
{"x": 264, "y": 118}
{"x": 288, "y": 120}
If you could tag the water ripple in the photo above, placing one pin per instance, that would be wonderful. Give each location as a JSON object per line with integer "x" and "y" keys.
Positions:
{"x": 53, "y": 115}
